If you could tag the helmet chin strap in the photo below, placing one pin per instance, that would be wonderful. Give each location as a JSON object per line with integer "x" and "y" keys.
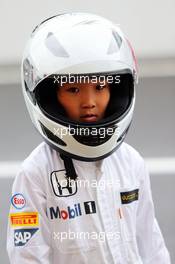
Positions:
{"x": 70, "y": 170}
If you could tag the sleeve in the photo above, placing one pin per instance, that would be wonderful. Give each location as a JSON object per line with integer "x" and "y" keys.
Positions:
{"x": 150, "y": 241}
{"x": 28, "y": 234}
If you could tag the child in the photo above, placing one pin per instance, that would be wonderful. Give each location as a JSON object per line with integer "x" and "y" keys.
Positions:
{"x": 83, "y": 196}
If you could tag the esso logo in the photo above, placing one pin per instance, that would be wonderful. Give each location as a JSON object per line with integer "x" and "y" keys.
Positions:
{"x": 18, "y": 201}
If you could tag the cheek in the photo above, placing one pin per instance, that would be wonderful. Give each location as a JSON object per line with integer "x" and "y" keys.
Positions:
{"x": 69, "y": 105}
{"x": 62, "y": 99}
{"x": 59, "y": 97}
{"x": 105, "y": 99}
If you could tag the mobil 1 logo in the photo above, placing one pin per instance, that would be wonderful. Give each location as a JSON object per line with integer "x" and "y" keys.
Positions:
{"x": 22, "y": 236}
{"x": 72, "y": 211}
{"x": 89, "y": 207}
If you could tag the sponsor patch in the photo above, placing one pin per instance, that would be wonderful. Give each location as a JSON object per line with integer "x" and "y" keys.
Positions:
{"x": 18, "y": 201}
{"x": 24, "y": 219}
{"x": 73, "y": 211}
{"x": 129, "y": 197}
{"x": 90, "y": 207}
{"x": 22, "y": 236}
{"x": 62, "y": 187}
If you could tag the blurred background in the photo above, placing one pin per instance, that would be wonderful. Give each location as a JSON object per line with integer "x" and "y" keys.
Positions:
{"x": 149, "y": 26}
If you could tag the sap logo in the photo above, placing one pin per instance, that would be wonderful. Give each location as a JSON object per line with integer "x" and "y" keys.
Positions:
{"x": 18, "y": 201}
{"x": 22, "y": 236}
{"x": 62, "y": 186}
{"x": 72, "y": 212}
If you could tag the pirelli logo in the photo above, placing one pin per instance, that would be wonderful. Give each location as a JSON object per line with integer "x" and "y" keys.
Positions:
{"x": 129, "y": 197}
{"x": 24, "y": 219}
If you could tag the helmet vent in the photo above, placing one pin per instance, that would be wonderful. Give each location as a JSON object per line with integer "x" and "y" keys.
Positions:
{"x": 115, "y": 43}
{"x": 55, "y": 46}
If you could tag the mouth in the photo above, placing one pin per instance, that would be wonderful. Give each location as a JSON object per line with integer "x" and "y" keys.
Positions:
{"x": 89, "y": 118}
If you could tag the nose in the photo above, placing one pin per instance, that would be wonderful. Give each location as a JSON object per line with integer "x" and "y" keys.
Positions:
{"x": 88, "y": 99}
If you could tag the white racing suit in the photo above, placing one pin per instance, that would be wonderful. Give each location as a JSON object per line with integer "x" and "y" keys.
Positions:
{"x": 106, "y": 216}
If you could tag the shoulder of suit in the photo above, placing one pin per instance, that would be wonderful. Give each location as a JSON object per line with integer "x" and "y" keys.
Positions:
{"x": 127, "y": 153}
{"x": 40, "y": 157}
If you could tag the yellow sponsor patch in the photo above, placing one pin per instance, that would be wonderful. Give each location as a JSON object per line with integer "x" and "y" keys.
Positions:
{"x": 24, "y": 219}
{"x": 129, "y": 197}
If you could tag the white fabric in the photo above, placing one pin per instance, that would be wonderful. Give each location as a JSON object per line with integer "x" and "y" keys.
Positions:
{"x": 129, "y": 237}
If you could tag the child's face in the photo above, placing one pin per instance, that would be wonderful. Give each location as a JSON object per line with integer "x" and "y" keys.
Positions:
{"x": 84, "y": 102}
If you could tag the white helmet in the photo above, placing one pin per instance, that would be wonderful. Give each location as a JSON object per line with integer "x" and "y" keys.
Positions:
{"x": 73, "y": 45}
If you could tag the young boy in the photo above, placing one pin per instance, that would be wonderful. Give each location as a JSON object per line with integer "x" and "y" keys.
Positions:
{"x": 83, "y": 196}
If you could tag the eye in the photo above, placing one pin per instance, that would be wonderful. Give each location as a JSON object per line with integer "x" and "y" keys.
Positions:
{"x": 100, "y": 87}
{"x": 73, "y": 90}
